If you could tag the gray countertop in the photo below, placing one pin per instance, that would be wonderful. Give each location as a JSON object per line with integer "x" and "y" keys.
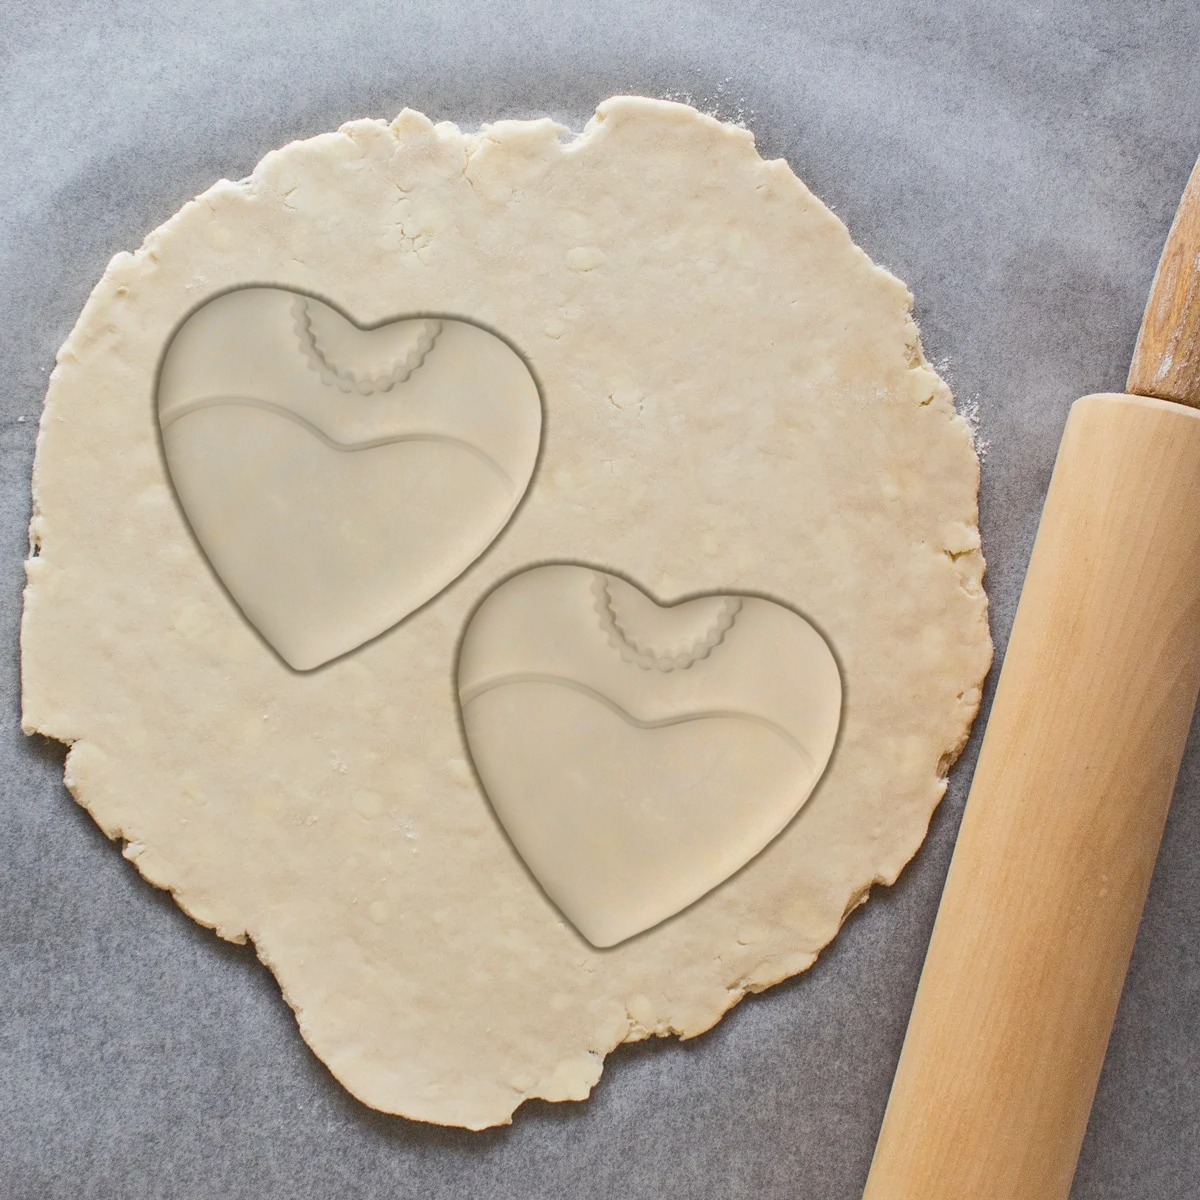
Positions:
{"x": 1016, "y": 164}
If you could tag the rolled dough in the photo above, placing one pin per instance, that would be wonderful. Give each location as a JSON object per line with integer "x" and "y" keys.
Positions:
{"x": 735, "y": 403}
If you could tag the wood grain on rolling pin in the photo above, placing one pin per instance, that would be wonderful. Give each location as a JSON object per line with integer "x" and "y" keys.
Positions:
{"x": 1166, "y": 360}
{"x": 1058, "y": 842}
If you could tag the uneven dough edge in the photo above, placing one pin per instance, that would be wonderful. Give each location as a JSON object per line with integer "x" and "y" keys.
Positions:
{"x": 574, "y": 1078}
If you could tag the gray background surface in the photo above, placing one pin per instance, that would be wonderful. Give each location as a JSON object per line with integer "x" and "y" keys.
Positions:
{"x": 1017, "y": 164}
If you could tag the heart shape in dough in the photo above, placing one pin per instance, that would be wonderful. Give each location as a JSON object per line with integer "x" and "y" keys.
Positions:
{"x": 338, "y": 477}
{"x": 639, "y": 755}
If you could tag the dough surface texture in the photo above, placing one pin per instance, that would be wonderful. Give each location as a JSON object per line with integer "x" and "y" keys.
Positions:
{"x": 735, "y": 403}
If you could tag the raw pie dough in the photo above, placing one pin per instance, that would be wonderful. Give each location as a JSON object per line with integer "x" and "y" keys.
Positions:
{"x": 736, "y": 404}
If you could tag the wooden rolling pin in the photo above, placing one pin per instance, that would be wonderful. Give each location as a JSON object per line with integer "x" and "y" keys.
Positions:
{"x": 1050, "y": 873}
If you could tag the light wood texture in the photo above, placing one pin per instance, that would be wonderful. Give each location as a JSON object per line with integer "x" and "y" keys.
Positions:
{"x": 1166, "y": 360}
{"x": 1050, "y": 873}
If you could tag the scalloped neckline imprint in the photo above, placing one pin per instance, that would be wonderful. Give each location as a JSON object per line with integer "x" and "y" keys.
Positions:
{"x": 646, "y": 656}
{"x": 346, "y": 378}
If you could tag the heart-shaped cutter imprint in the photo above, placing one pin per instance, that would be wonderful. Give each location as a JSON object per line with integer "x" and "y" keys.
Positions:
{"x": 338, "y": 477}
{"x": 639, "y": 755}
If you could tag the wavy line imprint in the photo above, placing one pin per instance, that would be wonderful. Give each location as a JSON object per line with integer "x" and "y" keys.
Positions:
{"x": 490, "y": 685}
{"x": 278, "y": 410}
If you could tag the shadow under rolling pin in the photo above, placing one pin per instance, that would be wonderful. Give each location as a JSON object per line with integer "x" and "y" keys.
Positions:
{"x": 1053, "y": 862}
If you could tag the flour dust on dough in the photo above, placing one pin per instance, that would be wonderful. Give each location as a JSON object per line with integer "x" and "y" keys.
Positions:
{"x": 735, "y": 404}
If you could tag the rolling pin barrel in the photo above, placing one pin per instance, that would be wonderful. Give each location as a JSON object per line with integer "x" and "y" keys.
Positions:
{"x": 1053, "y": 862}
